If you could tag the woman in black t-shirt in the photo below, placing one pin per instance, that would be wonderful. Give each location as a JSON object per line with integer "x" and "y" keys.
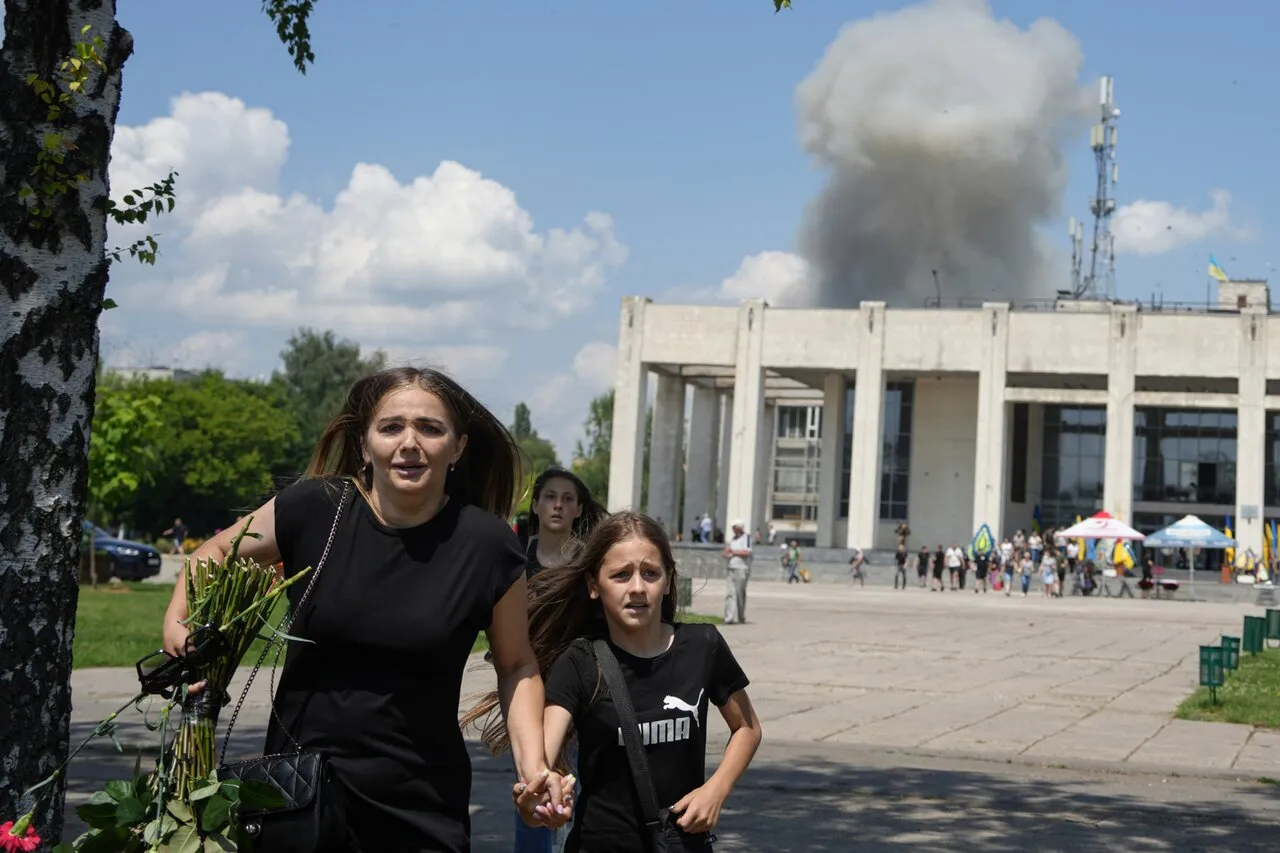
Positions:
{"x": 421, "y": 561}
{"x": 621, "y": 587}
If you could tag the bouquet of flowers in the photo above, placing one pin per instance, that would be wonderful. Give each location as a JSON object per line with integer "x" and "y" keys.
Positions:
{"x": 181, "y": 805}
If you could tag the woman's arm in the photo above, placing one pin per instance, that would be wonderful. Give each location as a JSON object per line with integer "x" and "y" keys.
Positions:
{"x": 520, "y": 693}
{"x": 699, "y": 809}
{"x": 264, "y": 550}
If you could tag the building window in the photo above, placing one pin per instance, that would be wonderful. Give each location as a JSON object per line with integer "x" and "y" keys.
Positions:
{"x": 1073, "y": 462}
{"x": 1272, "y": 451}
{"x": 846, "y": 468}
{"x": 1184, "y": 456}
{"x": 1018, "y": 465}
{"x": 797, "y": 451}
{"x": 895, "y": 457}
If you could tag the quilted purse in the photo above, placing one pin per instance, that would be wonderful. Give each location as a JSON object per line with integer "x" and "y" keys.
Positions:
{"x": 313, "y": 817}
{"x": 664, "y": 833}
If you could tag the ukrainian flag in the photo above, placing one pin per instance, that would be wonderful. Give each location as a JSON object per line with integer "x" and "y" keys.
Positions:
{"x": 983, "y": 541}
{"x": 1215, "y": 270}
{"x": 1035, "y": 519}
{"x": 1229, "y": 554}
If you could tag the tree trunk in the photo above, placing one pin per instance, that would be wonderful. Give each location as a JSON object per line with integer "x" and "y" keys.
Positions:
{"x": 52, "y": 280}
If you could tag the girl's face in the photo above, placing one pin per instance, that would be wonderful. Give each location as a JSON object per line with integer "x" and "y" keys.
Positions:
{"x": 630, "y": 584}
{"x": 556, "y": 506}
{"x": 411, "y": 442}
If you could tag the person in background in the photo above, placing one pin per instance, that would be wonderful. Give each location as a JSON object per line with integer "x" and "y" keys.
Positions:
{"x": 1049, "y": 574}
{"x": 922, "y": 566}
{"x": 981, "y": 565}
{"x": 562, "y": 515}
{"x": 179, "y": 533}
{"x": 955, "y": 563}
{"x": 791, "y": 559}
{"x": 856, "y": 563}
{"x": 903, "y": 531}
{"x": 900, "y": 561}
{"x": 707, "y": 527}
{"x": 939, "y": 565}
{"x": 737, "y": 573}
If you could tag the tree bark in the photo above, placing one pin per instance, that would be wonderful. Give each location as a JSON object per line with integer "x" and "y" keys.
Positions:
{"x": 52, "y": 280}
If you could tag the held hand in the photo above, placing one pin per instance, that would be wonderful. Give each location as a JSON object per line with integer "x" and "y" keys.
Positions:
{"x": 545, "y": 801}
{"x": 699, "y": 809}
{"x": 175, "y": 643}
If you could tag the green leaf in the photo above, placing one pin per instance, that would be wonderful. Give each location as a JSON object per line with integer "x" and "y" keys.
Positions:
{"x": 159, "y": 830}
{"x": 130, "y": 811}
{"x": 185, "y": 840}
{"x": 218, "y": 841}
{"x": 260, "y": 795}
{"x": 129, "y": 199}
{"x": 118, "y": 790}
{"x": 205, "y": 792}
{"x": 181, "y": 812}
{"x": 109, "y": 303}
{"x": 216, "y": 814}
{"x": 97, "y": 815}
{"x": 231, "y": 790}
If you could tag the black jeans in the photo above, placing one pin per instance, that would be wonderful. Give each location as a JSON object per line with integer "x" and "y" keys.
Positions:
{"x": 900, "y": 574}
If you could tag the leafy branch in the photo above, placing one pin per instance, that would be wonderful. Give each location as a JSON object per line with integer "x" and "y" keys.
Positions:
{"x": 138, "y": 205}
{"x": 51, "y": 177}
{"x": 779, "y": 5}
{"x": 291, "y": 18}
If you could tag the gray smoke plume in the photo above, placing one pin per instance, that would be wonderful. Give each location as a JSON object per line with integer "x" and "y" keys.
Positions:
{"x": 943, "y": 131}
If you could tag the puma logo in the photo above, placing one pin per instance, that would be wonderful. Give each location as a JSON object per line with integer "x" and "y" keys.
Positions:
{"x": 675, "y": 703}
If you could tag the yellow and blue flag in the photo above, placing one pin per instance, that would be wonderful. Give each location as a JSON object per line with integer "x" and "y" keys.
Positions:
{"x": 1216, "y": 271}
{"x": 1035, "y": 519}
{"x": 1122, "y": 556}
{"x": 1228, "y": 554}
{"x": 983, "y": 541}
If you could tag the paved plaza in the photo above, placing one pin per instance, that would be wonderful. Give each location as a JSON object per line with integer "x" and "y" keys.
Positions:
{"x": 935, "y": 721}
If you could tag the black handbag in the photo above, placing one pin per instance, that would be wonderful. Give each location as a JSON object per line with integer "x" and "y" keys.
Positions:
{"x": 665, "y": 834}
{"x": 313, "y": 817}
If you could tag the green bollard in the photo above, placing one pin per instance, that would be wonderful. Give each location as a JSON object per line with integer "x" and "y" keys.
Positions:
{"x": 1212, "y": 674}
{"x": 1231, "y": 653}
{"x": 1255, "y": 628}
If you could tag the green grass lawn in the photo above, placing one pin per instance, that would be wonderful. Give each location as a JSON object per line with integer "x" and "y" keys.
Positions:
{"x": 117, "y": 625}
{"x": 1250, "y": 696}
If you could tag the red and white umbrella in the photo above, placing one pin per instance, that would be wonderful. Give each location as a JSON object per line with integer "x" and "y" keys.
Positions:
{"x": 1101, "y": 526}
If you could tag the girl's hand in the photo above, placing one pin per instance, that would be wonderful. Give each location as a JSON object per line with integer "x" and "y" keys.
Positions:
{"x": 699, "y": 809}
{"x": 537, "y": 800}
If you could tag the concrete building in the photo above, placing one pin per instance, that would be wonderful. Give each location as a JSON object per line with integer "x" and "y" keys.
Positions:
{"x": 834, "y": 425}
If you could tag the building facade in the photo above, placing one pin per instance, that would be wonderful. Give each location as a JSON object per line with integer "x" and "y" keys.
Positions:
{"x": 835, "y": 425}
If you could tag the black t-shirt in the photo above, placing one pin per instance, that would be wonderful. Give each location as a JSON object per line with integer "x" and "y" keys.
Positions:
{"x": 393, "y": 617}
{"x": 531, "y": 563}
{"x": 670, "y": 694}
{"x": 900, "y": 557}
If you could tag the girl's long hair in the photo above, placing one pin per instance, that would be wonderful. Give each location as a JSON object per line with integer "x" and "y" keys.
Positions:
{"x": 561, "y": 609}
{"x": 485, "y": 475}
{"x": 592, "y": 510}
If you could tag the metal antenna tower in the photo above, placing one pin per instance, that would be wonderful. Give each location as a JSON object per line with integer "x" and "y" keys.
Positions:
{"x": 1100, "y": 281}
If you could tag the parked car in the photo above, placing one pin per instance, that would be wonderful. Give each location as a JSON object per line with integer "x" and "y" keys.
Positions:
{"x": 128, "y": 560}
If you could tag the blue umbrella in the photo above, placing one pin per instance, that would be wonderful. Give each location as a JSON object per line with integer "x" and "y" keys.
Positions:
{"x": 1189, "y": 532}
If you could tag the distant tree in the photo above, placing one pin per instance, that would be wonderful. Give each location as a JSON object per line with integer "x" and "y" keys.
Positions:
{"x": 220, "y": 444}
{"x": 319, "y": 369}
{"x": 124, "y": 449}
{"x": 537, "y": 454}
{"x": 594, "y": 450}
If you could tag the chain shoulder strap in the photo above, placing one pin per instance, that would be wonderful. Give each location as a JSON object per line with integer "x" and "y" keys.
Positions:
{"x": 279, "y": 645}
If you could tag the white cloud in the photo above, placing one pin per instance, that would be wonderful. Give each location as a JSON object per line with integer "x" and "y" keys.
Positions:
{"x": 782, "y": 278}
{"x": 1156, "y": 227}
{"x": 559, "y": 402}
{"x": 596, "y": 365}
{"x": 444, "y": 268}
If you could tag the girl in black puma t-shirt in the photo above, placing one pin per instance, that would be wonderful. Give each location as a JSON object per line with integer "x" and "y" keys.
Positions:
{"x": 621, "y": 587}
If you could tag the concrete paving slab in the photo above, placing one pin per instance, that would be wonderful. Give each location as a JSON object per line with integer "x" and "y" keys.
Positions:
{"x": 1104, "y": 736}
{"x": 1212, "y": 746}
{"x": 1261, "y": 753}
{"x": 1010, "y": 731}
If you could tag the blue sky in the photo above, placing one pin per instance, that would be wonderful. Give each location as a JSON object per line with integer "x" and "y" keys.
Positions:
{"x": 676, "y": 119}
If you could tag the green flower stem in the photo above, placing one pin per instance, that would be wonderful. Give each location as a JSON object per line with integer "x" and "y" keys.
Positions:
{"x": 98, "y": 731}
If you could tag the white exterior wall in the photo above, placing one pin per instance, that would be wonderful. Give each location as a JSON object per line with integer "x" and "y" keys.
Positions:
{"x": 702, "y": 457}
{"x": 830, "y": 470}
{"x": 665, "y": 451}
{"x": 940, "y": 502}
{"x": 1118, "y": 342}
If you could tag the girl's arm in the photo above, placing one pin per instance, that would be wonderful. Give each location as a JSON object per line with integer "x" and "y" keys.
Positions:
{"x": 699, "y": 809}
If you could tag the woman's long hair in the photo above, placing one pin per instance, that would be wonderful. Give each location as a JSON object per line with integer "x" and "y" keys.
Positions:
{"x": 593, "y": 512}
{"x": 562, "y": 610}
{"x": 485, "y": 475}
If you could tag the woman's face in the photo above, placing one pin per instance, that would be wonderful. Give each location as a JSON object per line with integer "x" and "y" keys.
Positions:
{"x": 557, "y": 506}
{"x": 411, "y": 441}
{"x": 631, "y": 584}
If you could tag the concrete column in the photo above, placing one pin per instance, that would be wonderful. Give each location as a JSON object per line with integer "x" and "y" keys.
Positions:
{"x": 868, "y": 421}
{"x": 626, "y": 463}
{"x": 762, "y": 508}
{"x": 1251, "y": 430}
{"x": 700, "y": 464}
{"x": 748, "y": 413}
{"x": 1117, "y": 488}
{"x": 989, "y": 446}
{"x": 830, "y": 469}
{"x": 721, "y": 516}
{"x": 666, "y": 447}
